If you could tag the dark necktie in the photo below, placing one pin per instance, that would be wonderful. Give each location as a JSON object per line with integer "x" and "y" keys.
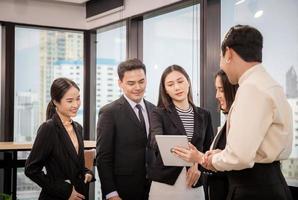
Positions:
{"x": 141, "y": 118}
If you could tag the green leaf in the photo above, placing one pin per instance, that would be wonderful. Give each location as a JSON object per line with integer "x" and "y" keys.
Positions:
{"x": 6, "y": 196}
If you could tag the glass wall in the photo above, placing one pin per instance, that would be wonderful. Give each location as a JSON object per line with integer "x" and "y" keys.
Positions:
{"x": 172, "y": 38}
{"x": 110, "y": 51}
{"x": 0, "y": 75}
{"x": 41, "y": 55}
{"x": 277, "y": 22}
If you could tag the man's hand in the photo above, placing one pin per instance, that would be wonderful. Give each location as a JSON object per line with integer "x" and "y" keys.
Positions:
{"x": 207, "y": 159}
{"x": 192, "y": 175}
{"x": 75, "y": 195}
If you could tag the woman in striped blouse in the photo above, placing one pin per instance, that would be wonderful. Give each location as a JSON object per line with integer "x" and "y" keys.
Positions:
{"x": 176, "y": 114}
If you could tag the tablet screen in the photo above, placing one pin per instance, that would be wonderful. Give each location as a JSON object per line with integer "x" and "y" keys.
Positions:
{"x": 166, "y": 143}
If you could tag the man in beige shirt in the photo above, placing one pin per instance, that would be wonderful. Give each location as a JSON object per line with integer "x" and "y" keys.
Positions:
{"x": 259, "y": 125}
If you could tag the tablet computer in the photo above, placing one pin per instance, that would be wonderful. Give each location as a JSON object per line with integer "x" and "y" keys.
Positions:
{"x": 166, "y": 143}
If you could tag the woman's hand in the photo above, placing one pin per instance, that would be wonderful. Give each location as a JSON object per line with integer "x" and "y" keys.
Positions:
{"x": 192, "y": 175}
{"x": 115, "y": 198}
{"x": 190, "y": 155}
{"x": 88, "y": 178}
{"x": 75, "y": 195}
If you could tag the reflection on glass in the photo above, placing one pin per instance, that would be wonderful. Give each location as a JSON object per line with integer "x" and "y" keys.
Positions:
{"x": 280, "y": 53}
{"x": 111, "y": 50}
{"x": 172, "y": 38}
{"x": 41, "y": 56}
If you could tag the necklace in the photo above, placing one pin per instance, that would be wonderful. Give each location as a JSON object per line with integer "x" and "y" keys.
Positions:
{"x": 67, "y": 122}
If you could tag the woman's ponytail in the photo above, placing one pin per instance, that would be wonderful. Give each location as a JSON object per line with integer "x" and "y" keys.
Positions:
{"x": 51, "y": 110}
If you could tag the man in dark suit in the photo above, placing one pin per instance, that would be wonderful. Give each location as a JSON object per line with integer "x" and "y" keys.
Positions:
{"x": 122, "y": 132}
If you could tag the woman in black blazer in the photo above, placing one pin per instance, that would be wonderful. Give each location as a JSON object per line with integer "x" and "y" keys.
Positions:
{"x": 176, "y": 114}
{"x": 217, "y": 182}
{"x": 59, "y": 148}
{"x": 225, "y": 94}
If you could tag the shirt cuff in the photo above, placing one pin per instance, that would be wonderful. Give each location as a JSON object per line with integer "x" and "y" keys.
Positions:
{"x": 215, "y": 160}
{"x": 112, "y": 194}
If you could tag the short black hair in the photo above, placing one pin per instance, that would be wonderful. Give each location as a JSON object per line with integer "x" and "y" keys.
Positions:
{"x": 128, "y": 65}
{"x": 246, "y": 41}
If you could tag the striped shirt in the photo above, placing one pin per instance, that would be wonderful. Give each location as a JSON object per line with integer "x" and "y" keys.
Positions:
{"x": 187, "y": 118}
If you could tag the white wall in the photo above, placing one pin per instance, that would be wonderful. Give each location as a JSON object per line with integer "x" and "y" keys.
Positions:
{"x": 53, "y": 13}
{"x": 40, "y": 12}
{"x": 131, "y": 8}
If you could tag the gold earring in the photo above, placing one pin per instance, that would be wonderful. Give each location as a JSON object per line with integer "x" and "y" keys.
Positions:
{"x": 228, "y": 61}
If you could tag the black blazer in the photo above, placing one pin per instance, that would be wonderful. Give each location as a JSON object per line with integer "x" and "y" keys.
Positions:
{"x": 53, "y": 149}
{"x": 167, "y": 121}
{"x": 218, "y": 184}
{"x": 121, "y": 148}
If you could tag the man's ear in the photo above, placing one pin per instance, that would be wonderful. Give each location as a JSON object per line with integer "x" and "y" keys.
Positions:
{"x": 228, "y": 55}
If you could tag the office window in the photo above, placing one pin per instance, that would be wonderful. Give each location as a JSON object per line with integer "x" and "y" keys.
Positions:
{"x": 41, "y": 55}
{"x": 0, "y": 75}
{"x": 111, "y": 50}
{"x": 172, "y": 38}
{"x": 280, "y": 52}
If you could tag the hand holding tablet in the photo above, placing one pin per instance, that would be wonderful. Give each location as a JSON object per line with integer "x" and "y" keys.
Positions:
{"x": 167, "y": 144}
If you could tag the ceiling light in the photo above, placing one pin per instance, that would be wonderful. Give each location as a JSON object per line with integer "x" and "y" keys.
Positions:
{"x": 258, "y": 14}
{"x": 239, "y": 2}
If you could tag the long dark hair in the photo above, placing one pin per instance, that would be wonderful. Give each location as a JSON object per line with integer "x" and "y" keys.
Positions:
{"x": 58, "y": 89}
{"x": 229, "y": 89}
{"x": 164, "y": 100}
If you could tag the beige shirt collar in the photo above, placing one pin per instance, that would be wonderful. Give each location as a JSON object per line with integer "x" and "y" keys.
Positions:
{"x": 250, "y": 71}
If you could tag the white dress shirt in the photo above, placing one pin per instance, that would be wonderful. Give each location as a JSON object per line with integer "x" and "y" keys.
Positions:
{"x": 259, "y": 124}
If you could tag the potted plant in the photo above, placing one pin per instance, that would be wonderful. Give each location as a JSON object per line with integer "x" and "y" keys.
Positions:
{"x": 5, "y": 196}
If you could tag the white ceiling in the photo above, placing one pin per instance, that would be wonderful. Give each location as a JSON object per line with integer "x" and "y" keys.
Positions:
{"x": 73, "y": 1}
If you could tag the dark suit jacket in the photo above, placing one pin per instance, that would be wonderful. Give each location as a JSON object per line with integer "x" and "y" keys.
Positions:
{"x": 53, "y": 149}
{"x": 121, "y": 148}
{"x": 167, "y": 121}
{"x": 218, "y": 181}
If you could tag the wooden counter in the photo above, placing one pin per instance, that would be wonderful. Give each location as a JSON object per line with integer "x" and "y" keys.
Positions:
{"x": 19, "y": 146}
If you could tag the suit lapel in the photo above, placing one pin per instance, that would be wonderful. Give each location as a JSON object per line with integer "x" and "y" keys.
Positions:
{"x": 129, "y": 111}
{"x": 198, "y": 121}
{"x": 80, "y": 142}
{"x": 149, "y": 108}
{"x": 66, "y": 141}
{"x": 175, "y": 119}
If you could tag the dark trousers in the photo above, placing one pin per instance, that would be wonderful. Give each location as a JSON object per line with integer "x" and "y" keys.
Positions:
{"x": 262, "y": 182}
{"x": 138, "y": 192}
{"x": 218, "y": 186}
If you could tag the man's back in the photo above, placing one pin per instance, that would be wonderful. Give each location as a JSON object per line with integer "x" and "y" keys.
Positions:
{"x": 279, "y": 133}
